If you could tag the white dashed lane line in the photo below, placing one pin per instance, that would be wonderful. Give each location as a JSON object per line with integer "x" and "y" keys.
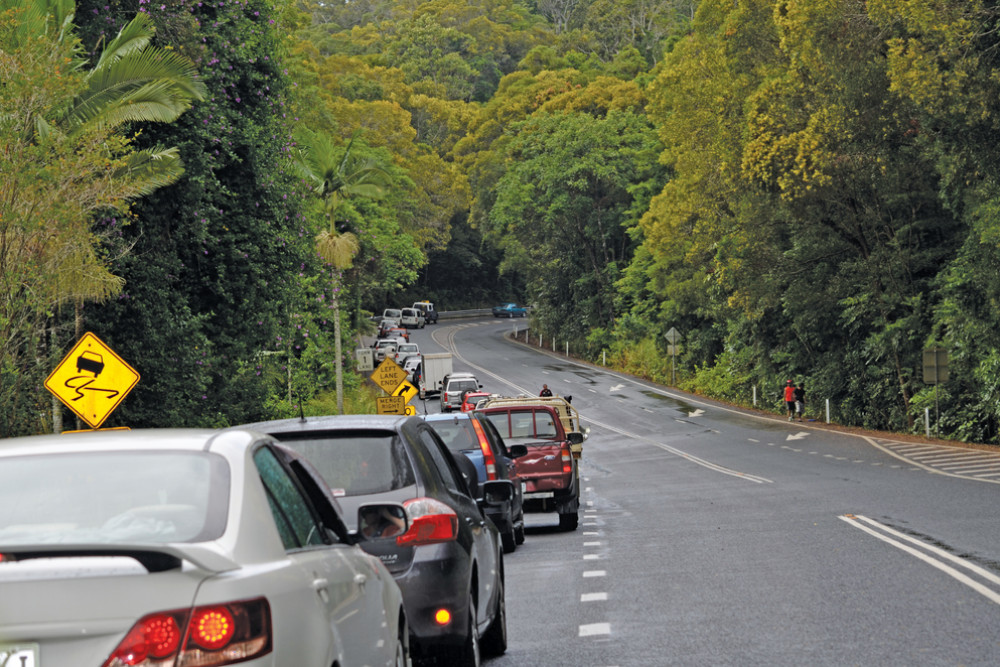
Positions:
{"x": 593, "y": 629}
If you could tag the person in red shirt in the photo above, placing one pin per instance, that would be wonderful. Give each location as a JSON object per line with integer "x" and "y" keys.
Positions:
{"x": 790, "y": 399}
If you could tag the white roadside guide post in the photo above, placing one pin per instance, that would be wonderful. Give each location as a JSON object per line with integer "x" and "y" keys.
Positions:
{"x": 672, "y": 337}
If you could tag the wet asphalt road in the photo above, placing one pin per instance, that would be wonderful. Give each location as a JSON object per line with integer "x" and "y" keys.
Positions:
{"x": 710, "y": 536}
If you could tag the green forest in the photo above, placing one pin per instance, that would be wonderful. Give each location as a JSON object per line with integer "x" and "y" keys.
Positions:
{"x": 804, "y": 189}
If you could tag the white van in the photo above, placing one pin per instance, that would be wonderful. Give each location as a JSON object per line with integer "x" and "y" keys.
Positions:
{"x": 411, "y": 318}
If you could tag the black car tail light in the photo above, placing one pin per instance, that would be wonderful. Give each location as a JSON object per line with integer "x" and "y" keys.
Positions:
{"x": 206, "y": 636}
{"x": 431, "y": 521}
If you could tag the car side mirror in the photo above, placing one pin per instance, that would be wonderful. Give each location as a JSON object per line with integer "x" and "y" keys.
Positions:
{"x": 575, "y": 437}
{"x": 517, "y": 451}
{"x": 497, "y": 492}
{"x": 381, "y": 521}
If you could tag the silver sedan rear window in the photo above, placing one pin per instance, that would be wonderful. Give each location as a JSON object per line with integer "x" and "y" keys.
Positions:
{"x": 112, "y": 498}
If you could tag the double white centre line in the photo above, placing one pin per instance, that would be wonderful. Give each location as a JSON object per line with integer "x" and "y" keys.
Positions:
{"x": 930, "y": 554}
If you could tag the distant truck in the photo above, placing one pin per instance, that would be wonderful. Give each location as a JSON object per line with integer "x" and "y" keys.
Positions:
{"x": 433, "y": 369}
{"x": 550, "y": 428}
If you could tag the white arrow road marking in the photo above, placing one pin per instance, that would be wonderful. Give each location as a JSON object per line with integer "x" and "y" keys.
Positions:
{"x": 618, "y": 387}
{"x": 797, "y": 436}
{"x": 696, "y": 413}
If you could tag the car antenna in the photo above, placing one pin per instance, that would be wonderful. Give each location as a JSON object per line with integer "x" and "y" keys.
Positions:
{"x": 302, "y": 414}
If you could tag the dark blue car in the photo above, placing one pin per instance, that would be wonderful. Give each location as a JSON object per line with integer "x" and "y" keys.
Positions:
{"x": 509, "y": 310}
{"x": 469, "y": 433}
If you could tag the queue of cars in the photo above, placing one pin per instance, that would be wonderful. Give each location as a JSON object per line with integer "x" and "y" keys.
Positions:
{"x": 337, "y": 540}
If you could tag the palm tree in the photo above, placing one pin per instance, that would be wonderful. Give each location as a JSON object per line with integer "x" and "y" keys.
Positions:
{"x": 66, "y": 125}
{"x": 335, "y": 176}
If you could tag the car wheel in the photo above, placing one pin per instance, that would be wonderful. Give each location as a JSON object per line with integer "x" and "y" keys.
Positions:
{"x": 495, "y": 638}
{"x": 568, "y": 521}
{"x": 509, "y": 541}
{"x": 519, "y": 530}
{"x": 402, "y": 647}
{"x": 466, "y": 655}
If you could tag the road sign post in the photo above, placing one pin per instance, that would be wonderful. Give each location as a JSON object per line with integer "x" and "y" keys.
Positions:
{"x": 935, "y": 372}
{"x": 672, "y": 337}
{"x": 92, "y": 380}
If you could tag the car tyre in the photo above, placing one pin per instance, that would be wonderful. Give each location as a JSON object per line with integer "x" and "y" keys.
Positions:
{"x": 495, "y": 638}
{"x": 402, "y": 647}
{"x": 466, "y": 655}
{"x": 509, "y": 541}
{"x": 569, "y": 521}
{"x": 519, "y": 530}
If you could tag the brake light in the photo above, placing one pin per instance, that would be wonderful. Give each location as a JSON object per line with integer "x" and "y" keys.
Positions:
{"x": 212, "y": 628}
{"x": 206, "y": 636}
{"x": 484, "y": 444}
{"x": 567, "y": 459}
{"x": 431, "y": 521}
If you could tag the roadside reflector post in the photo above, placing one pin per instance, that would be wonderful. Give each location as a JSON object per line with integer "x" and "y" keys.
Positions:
{"x": 567, "y": 348}
{"x": 828, "y": 411}
{"x": 927, "y": 421}
{"x": 755, "y": 396}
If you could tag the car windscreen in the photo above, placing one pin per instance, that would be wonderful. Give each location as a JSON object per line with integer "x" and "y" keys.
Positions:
{"x": 457, "y": 434}
{"x": 524, "y": 424}
{"x": 355, "y": 463}
{"x": 120, "y": 497}
{"x": 458, "y": 386}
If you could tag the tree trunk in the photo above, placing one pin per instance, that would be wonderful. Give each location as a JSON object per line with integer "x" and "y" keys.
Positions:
{"x": 337, "y": 352}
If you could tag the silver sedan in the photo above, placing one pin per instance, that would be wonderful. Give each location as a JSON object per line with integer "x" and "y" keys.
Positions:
{"x": 184, "y": 547}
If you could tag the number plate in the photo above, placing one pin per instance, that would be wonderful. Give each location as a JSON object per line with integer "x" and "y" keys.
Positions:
{"x": 19, "y": 655}
{"x": 539, "y": 494}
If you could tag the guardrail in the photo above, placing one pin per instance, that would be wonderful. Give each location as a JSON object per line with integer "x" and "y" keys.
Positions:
{"x": 455, "y": 314}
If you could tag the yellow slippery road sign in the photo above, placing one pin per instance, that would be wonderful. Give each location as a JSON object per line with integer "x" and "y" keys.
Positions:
{"x": 92, "y": 380}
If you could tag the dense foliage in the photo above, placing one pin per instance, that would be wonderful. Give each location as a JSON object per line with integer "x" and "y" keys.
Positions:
{"x": 804, "y": 189}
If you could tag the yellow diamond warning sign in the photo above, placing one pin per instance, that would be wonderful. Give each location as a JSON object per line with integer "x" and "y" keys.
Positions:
{"x": 388, "y": 375}
{"x": 92, "y": 380}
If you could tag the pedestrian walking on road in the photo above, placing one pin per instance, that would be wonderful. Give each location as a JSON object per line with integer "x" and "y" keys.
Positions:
{"x": 790, "y": 399}
{"x": 800, "y": 401}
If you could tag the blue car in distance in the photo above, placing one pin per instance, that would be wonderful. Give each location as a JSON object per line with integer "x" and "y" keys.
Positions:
{"x": 509, "y": 310}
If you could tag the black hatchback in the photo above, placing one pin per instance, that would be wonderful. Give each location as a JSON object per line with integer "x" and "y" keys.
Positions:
{"x": 449, "y": 562}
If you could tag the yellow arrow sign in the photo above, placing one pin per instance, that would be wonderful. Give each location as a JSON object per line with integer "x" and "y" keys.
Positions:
{"x": 92, "y": 380}
{"x": 406, "y": 390}
{"x": 388, "y": 375}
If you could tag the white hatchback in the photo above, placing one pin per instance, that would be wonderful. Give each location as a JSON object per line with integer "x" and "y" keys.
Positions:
{"x": 163, "y": 547}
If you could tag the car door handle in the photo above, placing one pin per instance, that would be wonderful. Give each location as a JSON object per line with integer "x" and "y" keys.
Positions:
{"x": 320, "y": 583}
{"x": 360, "y": 580}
